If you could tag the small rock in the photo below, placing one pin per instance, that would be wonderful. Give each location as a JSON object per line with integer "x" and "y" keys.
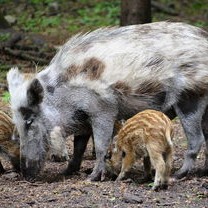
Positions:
{"x": 10, "y": 19}
{"x": 131, "y": 198}
{"x": 53, "y": 8}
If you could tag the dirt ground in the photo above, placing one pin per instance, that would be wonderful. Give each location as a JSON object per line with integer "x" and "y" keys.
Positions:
{"x": 53, "y": 190}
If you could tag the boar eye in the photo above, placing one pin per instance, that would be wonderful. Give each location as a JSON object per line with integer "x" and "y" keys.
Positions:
{"x": 123, "y": 154}
{"x": 28, "y": 122}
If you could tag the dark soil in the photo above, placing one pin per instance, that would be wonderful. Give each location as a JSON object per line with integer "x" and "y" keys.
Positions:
{"x": 53, "y": 190}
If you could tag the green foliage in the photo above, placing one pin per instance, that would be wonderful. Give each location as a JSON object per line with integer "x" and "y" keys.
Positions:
{"x": 102, "y": 13}
{"x": 198, "y": 5}
{"x": 193, "y": 12}
{"x": 3, "y": 69}
{"x": 38, "y": 23}
{"x": 3, "y": 1}
{"x": 27, "y": 23}
{"x": 201, "y": 24}
{"x": 40, "y": 1}
{"x": 6, "y": 97}
{"x": 50, "y": 21}
{"x": 4, "y": 37}
{"x": 90, "y": 15}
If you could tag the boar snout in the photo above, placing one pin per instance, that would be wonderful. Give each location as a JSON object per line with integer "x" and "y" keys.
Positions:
{"x": 30, "y": 169}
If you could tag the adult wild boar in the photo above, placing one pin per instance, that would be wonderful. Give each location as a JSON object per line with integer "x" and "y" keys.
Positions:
{"x": 109, "y": 74}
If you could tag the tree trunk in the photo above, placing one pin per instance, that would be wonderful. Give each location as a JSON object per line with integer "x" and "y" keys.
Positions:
{"x": 135, "y": 12}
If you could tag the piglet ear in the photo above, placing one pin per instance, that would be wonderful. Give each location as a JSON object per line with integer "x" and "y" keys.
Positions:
{"x": 35, "y": 93}
{"x": 14, "y": 79}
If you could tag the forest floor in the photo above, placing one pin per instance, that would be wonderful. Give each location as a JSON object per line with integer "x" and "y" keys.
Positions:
{"x": 53, "y": 190}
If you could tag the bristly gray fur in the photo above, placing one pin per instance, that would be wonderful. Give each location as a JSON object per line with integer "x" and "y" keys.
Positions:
{"x": 109, "y": 74}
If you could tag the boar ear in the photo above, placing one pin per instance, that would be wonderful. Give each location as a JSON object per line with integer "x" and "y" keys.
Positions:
{"x": 35, "y": 93}
{"x": 14, "y": 79}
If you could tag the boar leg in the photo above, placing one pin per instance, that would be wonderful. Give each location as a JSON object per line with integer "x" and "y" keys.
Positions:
{"x": 206, "y": 158}
{"x": 190, "y": 111}
{"x": 15, "y": 163}
{"x": 1, "y": 168}
{"x": 80, "y": 143}
{"x": 205, "y": 131}
{"x": 93, "y": 147}
{"x": 102, "y": 126}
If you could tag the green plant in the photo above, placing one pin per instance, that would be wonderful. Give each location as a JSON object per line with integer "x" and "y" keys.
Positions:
{"x": 201, "y": 24}
{"x": 4, "y": 1}
{"x": 100, "y": 14}
{"x": 151, "y": 184}
{"x": 4, "y": 37}
{"x": 6, "y": 97}
{"x": 40, "y": 1}
{"x": 38, "y": 22}
{"x": 50, "y": 21}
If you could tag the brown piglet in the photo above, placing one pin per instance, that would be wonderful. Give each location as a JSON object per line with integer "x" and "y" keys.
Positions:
{"x": 147, "y": 134}
{"x": 8, "y": 148}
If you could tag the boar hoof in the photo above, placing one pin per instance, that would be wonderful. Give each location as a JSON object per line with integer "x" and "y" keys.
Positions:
{"x": 155, "y": 188}
{"x": 71, "y": 169}
{"x": 98, "y": 175}
{"x": 95, "y": 177}
{"x": 180, "y": 174}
